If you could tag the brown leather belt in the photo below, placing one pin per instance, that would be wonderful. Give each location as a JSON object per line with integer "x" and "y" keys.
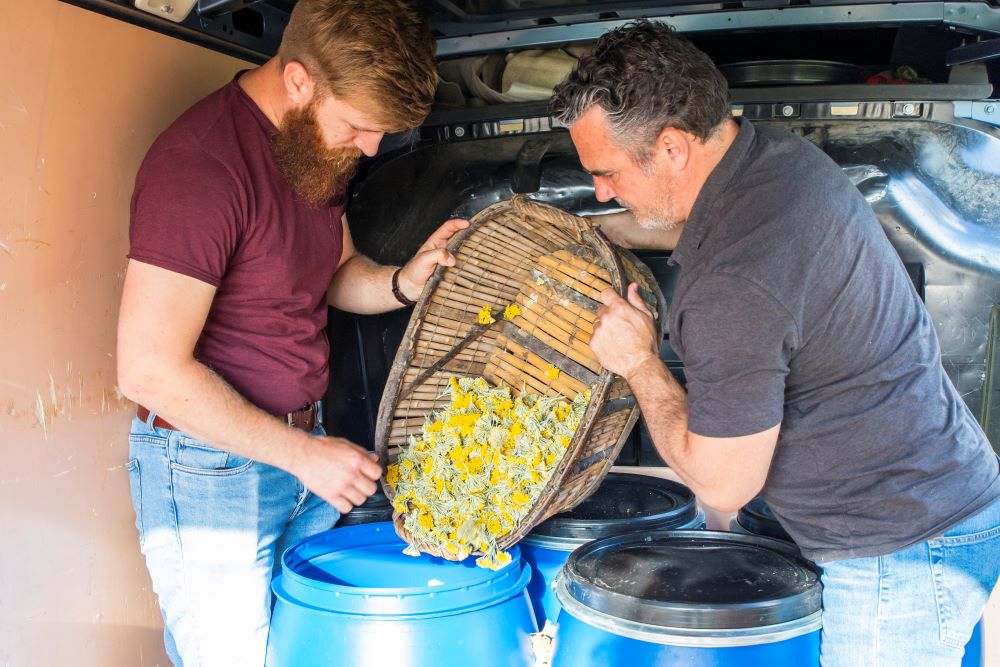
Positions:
{"x": 303, "y": 419}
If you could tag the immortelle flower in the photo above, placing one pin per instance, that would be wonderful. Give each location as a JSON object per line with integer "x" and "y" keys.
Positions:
{"x": 486, "y": 315}
{"x": 479, "y": 466}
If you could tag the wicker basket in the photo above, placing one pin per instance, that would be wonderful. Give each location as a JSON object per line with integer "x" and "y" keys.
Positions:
{"x": 554, "y": 267}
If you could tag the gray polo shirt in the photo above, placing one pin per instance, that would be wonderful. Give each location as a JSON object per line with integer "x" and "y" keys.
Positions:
{"x": 793, "y": 307}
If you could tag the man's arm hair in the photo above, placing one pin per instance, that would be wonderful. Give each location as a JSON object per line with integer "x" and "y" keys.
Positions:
{"x": 724, "y": 473}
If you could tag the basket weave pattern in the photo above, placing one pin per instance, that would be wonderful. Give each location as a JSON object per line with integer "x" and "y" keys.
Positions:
{"x": 553, "y": 266}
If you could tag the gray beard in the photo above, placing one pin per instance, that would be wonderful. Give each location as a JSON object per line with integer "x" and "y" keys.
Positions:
{"x": 663, "y": 219}
{"x": 657, "y": 224}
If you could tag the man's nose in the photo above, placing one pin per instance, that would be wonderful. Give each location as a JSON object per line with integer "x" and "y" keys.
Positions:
{"x": 602, "y": 191}
{"x": 368, "y": 142}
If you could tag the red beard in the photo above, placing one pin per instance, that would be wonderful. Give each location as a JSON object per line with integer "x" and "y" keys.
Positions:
{"x": 315, "y": 172}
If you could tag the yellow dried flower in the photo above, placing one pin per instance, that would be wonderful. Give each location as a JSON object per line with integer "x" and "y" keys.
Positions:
{"x": 502, "y": 559}
{"x": 520, "y": 498}
{"x": 511, "y": 311}
{"x": 552, "y": 372}
{"x": 486, "y": 315}
{"x": 392, "y": 474}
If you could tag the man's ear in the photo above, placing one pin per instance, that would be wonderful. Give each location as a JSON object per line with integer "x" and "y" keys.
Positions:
{"x": 674, "y": 147}
{"x": 299, "y": 84}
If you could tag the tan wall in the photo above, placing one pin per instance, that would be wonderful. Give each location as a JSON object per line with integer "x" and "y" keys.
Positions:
{"x": 82, "y": 97}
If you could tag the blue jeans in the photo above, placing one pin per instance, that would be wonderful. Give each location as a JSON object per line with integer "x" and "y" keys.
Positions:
{"x": 917, "y": 606}
{"x": 212, "y": 526}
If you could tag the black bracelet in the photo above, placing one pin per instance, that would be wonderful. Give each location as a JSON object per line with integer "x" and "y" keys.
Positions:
{"x": 396, "y": 292}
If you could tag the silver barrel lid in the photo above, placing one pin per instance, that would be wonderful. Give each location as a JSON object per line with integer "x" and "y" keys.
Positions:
{"x": 757, "y": 518}
{"x": 694, "y": 579}
{"x": 624, "y": 502}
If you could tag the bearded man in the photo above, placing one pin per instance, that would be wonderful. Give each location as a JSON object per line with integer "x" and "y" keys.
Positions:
{"x": 239, "y": 243}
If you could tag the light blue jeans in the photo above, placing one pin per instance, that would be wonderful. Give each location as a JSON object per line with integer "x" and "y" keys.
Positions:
{"x": 915, "y": 607}
{"x": 212, "y": 526}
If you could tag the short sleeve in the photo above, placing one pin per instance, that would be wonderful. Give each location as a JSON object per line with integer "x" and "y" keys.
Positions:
{"x": 185, "y": 215}
{"x": 736, "y": 342}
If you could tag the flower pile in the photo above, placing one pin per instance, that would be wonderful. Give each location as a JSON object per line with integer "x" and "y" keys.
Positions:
{"x": 479, "y": 467}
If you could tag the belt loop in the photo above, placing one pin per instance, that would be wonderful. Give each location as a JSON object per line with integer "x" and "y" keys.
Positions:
{"x": 150, "y": 418}
{"x": 318, "y": 409}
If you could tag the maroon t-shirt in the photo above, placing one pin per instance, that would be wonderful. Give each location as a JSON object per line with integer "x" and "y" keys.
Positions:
{"x": 210, "y": 203}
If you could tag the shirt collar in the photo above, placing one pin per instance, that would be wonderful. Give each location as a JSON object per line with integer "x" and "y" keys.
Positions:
{"x": 247, "y": 101}
{"x": 698, "y": 220}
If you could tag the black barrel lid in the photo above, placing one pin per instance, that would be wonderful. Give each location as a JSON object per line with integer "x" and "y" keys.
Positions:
{"x": 757, "y": 518}
{"x": 624, "y": 501}
{"x": 376, "y": 508}
{"x": 694, "y": 579}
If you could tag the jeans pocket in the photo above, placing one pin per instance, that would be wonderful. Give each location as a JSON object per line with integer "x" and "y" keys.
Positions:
{"x": 135, "y": 489}
{"x": 196, "y": 458}
{"x": 965, "y": 570}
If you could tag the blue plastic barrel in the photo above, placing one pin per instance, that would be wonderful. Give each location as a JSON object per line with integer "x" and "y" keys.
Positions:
{"x": 688, "y": 597}
{"x": 623, "y": 502}
{"x": 349, "y": 596}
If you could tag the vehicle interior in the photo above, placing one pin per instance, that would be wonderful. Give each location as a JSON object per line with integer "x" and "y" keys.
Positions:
{"x": 902, "y": 95}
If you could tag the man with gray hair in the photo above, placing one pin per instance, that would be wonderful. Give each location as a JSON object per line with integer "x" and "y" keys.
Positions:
{"x": 813, "y": 372}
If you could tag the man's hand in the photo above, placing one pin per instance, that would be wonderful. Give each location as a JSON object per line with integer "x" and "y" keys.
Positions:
{"x": 625, "y": 335}
{"x": 419, "y": 269}
{"x": 338, "y": 471}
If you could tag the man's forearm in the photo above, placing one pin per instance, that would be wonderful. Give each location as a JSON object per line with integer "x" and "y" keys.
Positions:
{"x": 363, "y": 286}
{"x": 197, "y": 401}
{"x": 723, "y": 472}
{"x": 665, "y": 410}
